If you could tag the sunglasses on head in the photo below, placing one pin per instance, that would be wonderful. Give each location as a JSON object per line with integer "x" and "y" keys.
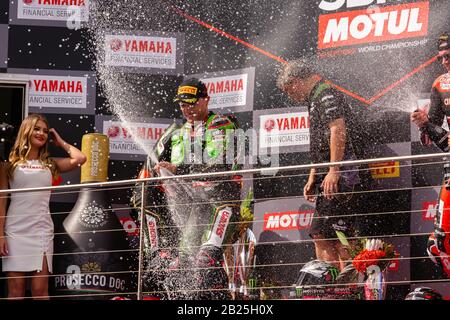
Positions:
{"x": 446, "y": 56}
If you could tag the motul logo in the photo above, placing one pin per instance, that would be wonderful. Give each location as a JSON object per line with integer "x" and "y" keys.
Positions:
{"x": 61, "y": 2}
{"x": 429, "y": 210}
{"x": 58, "y": 86}
{"x": 222, "y": 223}
{"x": 148, "y": 46}
{"x": 385, "y": 24}
{"x": 153, "y": 233}
{"x": 225, "y": 86}
{"x": 288, "y": 220}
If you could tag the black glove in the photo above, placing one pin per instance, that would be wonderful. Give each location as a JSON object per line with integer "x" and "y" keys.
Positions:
{"x": 211, "y": 274}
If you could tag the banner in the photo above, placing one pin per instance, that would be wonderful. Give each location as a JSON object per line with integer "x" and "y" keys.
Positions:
{"x": 69, "y": 13}
{"x": 144, "y": 53}
{"x": 230, "y": 91}
{"x": 282, "y": 130}
{"x": 131, "y": 140}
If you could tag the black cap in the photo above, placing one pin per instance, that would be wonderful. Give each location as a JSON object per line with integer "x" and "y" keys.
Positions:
{"x": 443, "y": 42}
{"x": 190, "y": 90}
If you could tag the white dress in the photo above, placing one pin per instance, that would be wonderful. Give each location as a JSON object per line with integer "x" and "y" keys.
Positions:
{"x": 29, "y": 227}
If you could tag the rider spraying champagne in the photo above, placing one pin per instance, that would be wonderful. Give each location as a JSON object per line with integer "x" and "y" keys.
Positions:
{"x": 207, "y": 209}
{"x": 430, "y": 126}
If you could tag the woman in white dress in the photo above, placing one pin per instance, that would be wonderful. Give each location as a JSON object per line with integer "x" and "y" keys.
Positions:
{"x": 26, "y": 230}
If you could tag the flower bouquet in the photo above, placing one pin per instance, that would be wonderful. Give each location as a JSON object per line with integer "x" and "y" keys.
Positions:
{"x": 372, "y": 260}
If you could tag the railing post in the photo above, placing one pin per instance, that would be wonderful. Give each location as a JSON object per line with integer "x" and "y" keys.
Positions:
{"x": 141, "y": 242}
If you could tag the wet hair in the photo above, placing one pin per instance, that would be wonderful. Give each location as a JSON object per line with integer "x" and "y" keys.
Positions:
{"x": 22, "y": 146}
{"x": 300, "y": 68}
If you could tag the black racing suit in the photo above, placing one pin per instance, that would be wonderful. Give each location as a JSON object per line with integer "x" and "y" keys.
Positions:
{"x": 439, "y": 242}
{"x": 325, "y": 105}
{"x": 206, "y": 210}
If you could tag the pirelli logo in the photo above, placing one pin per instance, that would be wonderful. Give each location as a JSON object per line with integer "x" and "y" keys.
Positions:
{"x": 383, "y": 170}
{"x": 187, "y": 90}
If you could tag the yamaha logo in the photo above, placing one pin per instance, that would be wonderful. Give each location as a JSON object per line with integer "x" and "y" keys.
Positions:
{"x": 113, "y": 131}
{"x": 269, "y": 125}
{"x": 115, "y": 45}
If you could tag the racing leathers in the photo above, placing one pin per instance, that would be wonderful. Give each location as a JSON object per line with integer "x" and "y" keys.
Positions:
{"x": 438, "y": 246}
{"x": 206, "y": 209}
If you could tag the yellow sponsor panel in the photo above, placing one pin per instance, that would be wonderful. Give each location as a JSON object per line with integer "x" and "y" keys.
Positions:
{"x": 384, "y": 170}
{"x": 188, "y": 90}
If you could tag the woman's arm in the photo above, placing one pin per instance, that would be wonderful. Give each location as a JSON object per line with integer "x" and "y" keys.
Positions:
{"x": 3, "y": 201}
{"x": 76, "y": 157}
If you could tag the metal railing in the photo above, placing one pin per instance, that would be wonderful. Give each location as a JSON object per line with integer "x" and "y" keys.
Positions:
{"x": 265, "y": 173}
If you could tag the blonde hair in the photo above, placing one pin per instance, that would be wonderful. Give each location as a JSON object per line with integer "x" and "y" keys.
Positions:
{"x": 22, "y": 146}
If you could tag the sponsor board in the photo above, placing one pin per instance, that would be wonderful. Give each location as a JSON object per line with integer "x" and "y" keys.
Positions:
{"x": 57, "y": 92}
{"x": 288, "y": 220}
{"x": 285, "y": 220}
{"x": 384, "y": 170}
{"x": 230, "y": 90}
{"x": 144, "y": 53}
{"x": 152, "y": 232}
{"x": 89, "y": 276}
{"x": 284, "y": 130}
{"x": 371, "y": 24}
{"x": 424, "y": 206}
{"x": 133, "y": 139}
{"x": 429, "y": 209}
{"x": 219, "y": 229}
{"x": 60, "y": 91}
{"x": 130, "y": 226}
{"x": 391, "y": 174}
{"x": 69, "y": 13}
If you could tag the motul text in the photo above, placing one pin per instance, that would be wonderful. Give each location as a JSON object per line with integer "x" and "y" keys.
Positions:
{"x": 288, "y": 220}
{"x": 384, "y": 24}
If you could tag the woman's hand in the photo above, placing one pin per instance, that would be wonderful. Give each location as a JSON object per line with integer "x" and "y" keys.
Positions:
{"x": 3, "y": 247}
{"x": 56, "y": 138}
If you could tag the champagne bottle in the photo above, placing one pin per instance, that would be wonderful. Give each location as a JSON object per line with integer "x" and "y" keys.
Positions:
{"x": 95, "y": 266}
{"x": 437, "y": 134}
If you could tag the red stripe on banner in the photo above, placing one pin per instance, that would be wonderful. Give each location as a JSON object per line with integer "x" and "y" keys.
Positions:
{"x": 351, "y": 94}
{"x": 270, "y": 55}
{"x": 227, "y": 35}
